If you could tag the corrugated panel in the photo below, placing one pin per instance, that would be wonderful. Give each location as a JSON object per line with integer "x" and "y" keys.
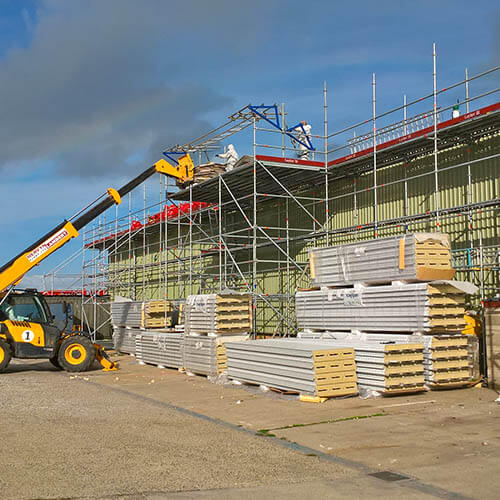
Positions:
{"x": 293, "y": 366}
{"x": 445, "y": 359}
{"x": 126, "y": 314}
{"x": 162, "y": 349}
{"x": 124, "y": 339}
{"x": 417, "y": 307}
{"x": 383, "y": 260}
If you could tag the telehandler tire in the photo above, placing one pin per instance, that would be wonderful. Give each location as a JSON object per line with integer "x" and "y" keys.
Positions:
{"x": 76, "y": 354}
{"x": 5, "y": 355}
{"x": 55, "y": 363}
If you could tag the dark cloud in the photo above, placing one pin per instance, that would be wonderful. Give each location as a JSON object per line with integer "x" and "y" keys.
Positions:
{"x": 103, "y": 82}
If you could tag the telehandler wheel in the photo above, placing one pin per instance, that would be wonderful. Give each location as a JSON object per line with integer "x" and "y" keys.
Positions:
{"x": 5, "y": 355}
{"x": 55, "y": 363}
{"x": 76, "y": 354}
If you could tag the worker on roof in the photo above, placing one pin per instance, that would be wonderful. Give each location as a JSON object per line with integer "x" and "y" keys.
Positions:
{"x": 231, "y": 157}
{"x": 303, "y": 134}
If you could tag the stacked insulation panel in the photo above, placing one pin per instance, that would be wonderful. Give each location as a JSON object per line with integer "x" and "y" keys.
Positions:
{"x": 385, "y": 368}
{"x": 124, "y": 339}
{"x": 446, "y": 361}
{"x": 158, "y": 314}
{"x": 413, "y": 257}
{"x": 205, "y": 355}
{"x": 218, "y": 314}
{"x": 492, "y": 327}
{"x": 127, "y": 314}
{"x": 446, "y": 358}
{"x": 436, "y": 307}
{"x": 200, "y": 355}
{"x": 221, "y": 358}
{"x": 161, "y": 349}
{"x": 293, "y": 366}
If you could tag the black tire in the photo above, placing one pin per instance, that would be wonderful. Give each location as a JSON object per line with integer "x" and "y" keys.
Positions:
{"x": 5, "y": 355}
{"x": 76, "y": 354}
{"x": 55, "y": 363}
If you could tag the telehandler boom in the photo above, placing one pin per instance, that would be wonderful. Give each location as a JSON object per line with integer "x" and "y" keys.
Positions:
{"x": 27, "y": 329}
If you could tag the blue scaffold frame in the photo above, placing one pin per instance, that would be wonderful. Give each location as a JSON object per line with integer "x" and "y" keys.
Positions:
{"x": 261, "y": 111}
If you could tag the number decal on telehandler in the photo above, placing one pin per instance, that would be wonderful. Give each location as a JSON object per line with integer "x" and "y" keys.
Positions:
{"x": 28, "y": 336}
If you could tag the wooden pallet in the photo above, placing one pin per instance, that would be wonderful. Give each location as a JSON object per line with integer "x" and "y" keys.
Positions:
{"x": 452, "y": 385}
{"x": 403, "y": 390}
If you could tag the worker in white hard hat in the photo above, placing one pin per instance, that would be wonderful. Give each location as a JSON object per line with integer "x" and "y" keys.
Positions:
{"x": 231, "y": 157}
{"x": 303, "y": 134}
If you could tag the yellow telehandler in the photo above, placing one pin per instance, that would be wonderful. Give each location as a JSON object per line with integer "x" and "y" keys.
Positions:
{"x": 27, "y": 329}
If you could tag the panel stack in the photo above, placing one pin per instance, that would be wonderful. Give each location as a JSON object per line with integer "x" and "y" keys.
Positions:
{"x": 385, "y": 368}
{"x": 200, "y": 355}
{"x": 161, "y": 349}
{"x": 446, "y": 361}
{"x": 218, "y": 314}
{"x": 221, "y": 356}
{"x": 492, "y": 326}
{"x": 294, "y": 366}
{"x": 158, "y": 314}
{"x": 127, "y": 314}
{"x": 414, "y": 257}
{"x": 435, "y": 307}
{"x": 202, "y": 173}
{"x": 205, "y": 355}
{"x": 393, "y": 300}
{"x": 446, "y": 358}
{"x": 124, "y": 339}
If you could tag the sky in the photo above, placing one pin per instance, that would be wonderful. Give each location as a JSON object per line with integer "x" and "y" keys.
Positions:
{"x": 92, "y": 91}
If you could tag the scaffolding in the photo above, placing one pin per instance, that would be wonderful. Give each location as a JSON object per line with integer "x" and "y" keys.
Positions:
{"x": 413, "y": 168}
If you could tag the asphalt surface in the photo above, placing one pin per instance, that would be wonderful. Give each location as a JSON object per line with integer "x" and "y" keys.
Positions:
{"x": 64, "y": 437}
{"x": 144, "y": 433}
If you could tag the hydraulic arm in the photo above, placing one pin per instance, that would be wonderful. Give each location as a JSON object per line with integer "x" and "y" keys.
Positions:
{"x": 12, "y": 272}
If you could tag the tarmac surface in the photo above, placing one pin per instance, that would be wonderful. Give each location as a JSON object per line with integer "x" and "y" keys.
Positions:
{"x": 148, "y": 433}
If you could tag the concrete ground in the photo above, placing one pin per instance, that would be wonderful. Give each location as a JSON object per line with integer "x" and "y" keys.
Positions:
{"x": 148, "y": 433}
